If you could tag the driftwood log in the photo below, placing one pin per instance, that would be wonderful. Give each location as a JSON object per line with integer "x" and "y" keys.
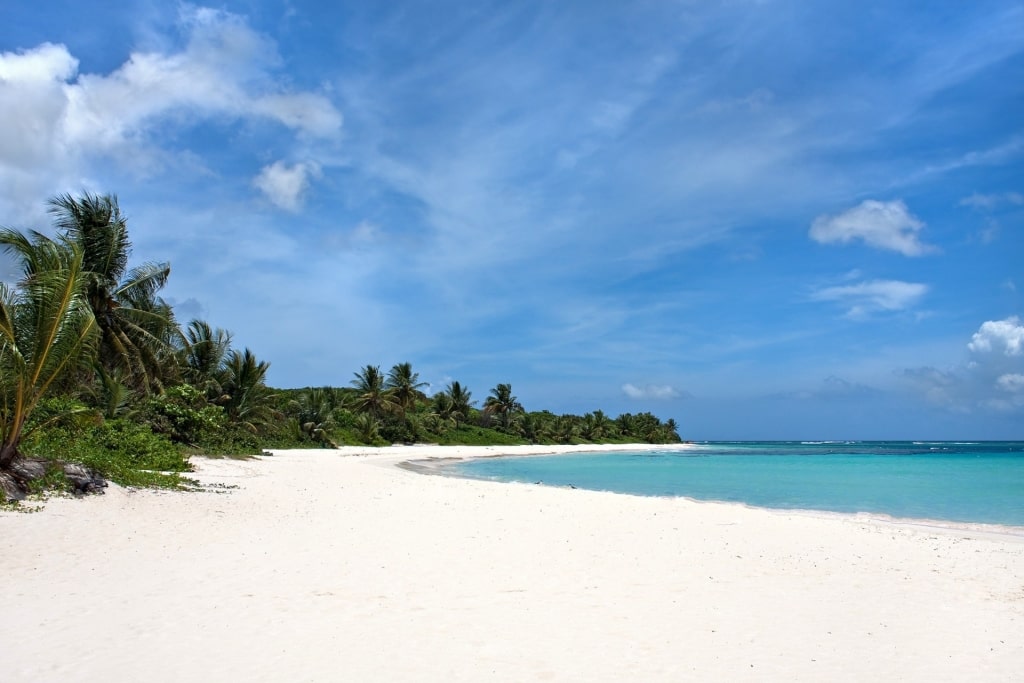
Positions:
{"x": 15, "y": 481}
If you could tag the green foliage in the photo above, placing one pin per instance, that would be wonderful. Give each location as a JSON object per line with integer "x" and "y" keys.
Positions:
{"x": 127, "y": 453}
{"x": 504, "y": 406}
{"x": 46, "y": 329}
{"x": 183, "y": 415}
{"x": 403, "y": 386}
{"x": 136, "y": 327}
{"x": 467, "y": 435}
{"x": 368, "y": 429}
{"x": 371, "y": 395}
{"x": 62, "y": 411}
{"x": 82, "y": 323}
{"x": 53, "y": 480}
{"x": 314, "y": 412}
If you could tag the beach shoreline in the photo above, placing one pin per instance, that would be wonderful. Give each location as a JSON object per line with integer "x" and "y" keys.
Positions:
{"x": 437, "y": 463}
{"x": 310, "y": 565}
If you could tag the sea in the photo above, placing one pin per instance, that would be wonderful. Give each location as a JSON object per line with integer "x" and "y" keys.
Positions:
{"x": 965, "y": 482}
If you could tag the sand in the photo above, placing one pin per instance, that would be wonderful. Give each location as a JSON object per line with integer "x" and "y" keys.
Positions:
{"x": 328, "y": 566}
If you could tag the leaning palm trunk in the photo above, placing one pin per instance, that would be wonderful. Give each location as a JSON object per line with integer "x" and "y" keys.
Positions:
{"x": 45, "y": 326}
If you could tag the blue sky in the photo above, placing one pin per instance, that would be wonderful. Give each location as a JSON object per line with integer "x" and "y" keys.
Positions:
{"x": 766, "y": 219}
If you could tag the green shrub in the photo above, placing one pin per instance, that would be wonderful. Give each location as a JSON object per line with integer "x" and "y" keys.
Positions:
{"x": 124, "y": 452}
{"x": 183, "y": 414}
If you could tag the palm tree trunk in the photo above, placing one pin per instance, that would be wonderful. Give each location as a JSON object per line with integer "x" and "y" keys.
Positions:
{"x": 9, "y": 450}
{"x": 13, "y": 482}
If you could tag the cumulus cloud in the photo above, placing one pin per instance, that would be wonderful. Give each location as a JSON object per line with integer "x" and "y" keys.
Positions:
{"x": 56, "y": 118}
{"x": 1001, "y": 336}
{"x": 873, "y": 296}
{"x": 661, "y": 392}
{"x": 285, "y": 185}
{"x": 992, "y": 378}
{"x": 884, "y": 225}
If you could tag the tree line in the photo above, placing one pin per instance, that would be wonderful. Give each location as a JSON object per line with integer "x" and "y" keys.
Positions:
{"x": 96, "y": 369}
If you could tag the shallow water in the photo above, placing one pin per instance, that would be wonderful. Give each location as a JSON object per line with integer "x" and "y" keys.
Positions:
{"x": 980, "y": 482}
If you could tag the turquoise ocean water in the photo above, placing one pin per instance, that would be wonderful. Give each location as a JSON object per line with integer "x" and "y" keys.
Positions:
{"x": 953, "y": 481}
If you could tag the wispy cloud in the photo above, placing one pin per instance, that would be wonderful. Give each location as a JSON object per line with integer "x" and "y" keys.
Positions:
{"x": 658, "y": 392}
{"x": 991, "y": 201}
{"x": 873, "y": 296}
{"x": 883, "y": 225}
{"x": 559, "y": 195}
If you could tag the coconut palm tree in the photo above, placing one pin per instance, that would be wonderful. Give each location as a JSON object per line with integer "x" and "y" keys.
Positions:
{"x": 205, "y": 350}
{"x": 46, "y": 329}
{"x": 442, "y": 406}
{"x": 316, "y": 408}
{"x": 503, "y": 404}
{"x": 368, "y": 427}
{"x": 404, "y": 386}
{"x": 591, "y": 428}
{"x": 672, "y": 429}
{"x": 371, "y": 394}
{"x": 535, "y": 427}
{"x": 462, "y": 401}
{"x": 135, "y": 324}
{"x": 564, "y": 428}
{"x": 244, "y": 384}
{"x": 443, "y": 415}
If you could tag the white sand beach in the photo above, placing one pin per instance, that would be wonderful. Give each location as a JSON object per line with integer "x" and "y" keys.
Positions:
{"x": 336, "y": 565}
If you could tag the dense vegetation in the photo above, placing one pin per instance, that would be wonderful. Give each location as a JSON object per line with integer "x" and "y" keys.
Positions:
{"x": 99, "y": 379}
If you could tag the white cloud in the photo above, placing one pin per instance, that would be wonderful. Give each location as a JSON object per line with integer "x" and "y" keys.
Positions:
{"x": 992, "y": 379}
{"x": 57, "y": 120}
{"x": 884, "y": 225}
{"x": 1006, "y": 336}
{"x": 284, "y": 185}
{"x": 1012, "y": 382}
{"x": 48, "y": 62}
{"x": 991, "y": 201}
{"x": 873, "y": 296}
{"x": 650, "y": 391}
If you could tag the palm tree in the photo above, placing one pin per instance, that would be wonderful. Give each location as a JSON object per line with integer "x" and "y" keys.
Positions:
{"x": 535, "y": 427}
{"x": 404, "y": 386}
{"x": 135, "y": 324}
{"x": 205, "y": 350}
{"x": 109, "y": 393}
{"x": 591, "y": 428}
{"x": 443, "y": 406}
{"x": 443, "y": 414}
{"x": 371, "y": 396}
{"x": 502, "y": 403}
{"x": 605, "y": 425}
{"x": 462, "y": 401}
{"x": 368, "y": 427}
{"x": 244, "y": 384}
{"x": 46, "y": 329}
{"x": 316, "y": 408}
{"x": 564, "y": 428}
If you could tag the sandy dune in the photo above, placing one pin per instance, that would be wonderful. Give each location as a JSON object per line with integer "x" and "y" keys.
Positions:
{"x": 329, "y": 566}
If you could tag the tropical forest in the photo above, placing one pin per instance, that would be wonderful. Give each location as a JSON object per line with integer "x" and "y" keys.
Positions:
{"x": 100, "y": 381}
